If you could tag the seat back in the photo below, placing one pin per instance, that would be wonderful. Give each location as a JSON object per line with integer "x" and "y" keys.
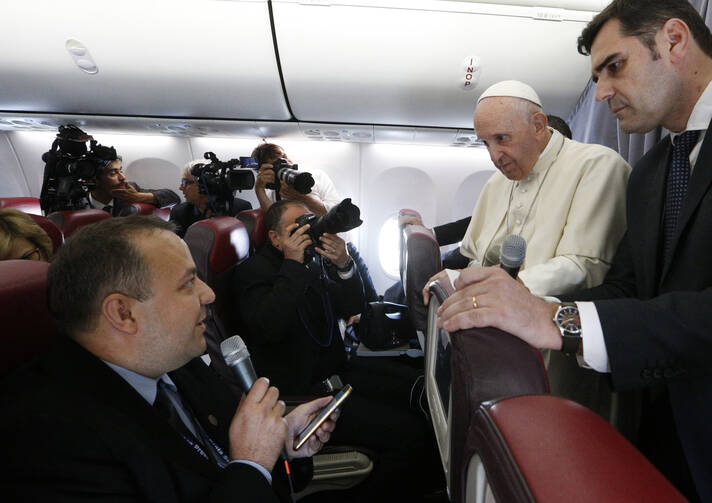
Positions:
{"x": 29, "y": 205}
{"x": 420, "y": 256}
{"x": 217, "y": 246}
{"x": 546, "y": 448}
{"x": 144, "y": 208}
{"x": 27, "y": 325}
{"x": 69, "y": 221}
{"x": 465, "y": 369}
{"x": 255, "y": 225}
{"x": 51, "y": 229}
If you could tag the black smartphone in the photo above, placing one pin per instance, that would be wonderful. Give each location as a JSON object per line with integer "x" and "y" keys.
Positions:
{"x": 314, "y": 424}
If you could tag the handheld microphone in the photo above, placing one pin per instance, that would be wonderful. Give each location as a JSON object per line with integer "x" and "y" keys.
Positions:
{"x": 237, "y": 357}
{"x": 511, "y": 255}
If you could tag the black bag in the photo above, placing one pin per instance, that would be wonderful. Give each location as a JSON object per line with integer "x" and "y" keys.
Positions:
{"x": 385, "y": 325}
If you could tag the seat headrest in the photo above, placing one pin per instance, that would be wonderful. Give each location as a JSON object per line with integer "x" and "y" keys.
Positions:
{"x": 144, "y": 208}
{"x": 27, "y": 324}
{"x": 217, "y": 244}
{"x": 420, "y": 260}
{"x": 70, "y": 220}
{"x": 24, "y": 204}
{"x": 51, "y": 229}
{"x": 254, "y": 221}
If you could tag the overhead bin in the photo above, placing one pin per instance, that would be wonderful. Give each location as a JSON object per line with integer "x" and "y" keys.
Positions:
{"x": 171, "y": 58}
{"x": 424, "y": 62}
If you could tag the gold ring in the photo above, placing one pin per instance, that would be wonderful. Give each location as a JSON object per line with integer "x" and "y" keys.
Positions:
{"x": 474, "y": 302}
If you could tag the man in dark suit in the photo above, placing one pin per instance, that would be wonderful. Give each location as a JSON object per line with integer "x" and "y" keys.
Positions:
{"x": 114, "y": 194}
{"x": 650, "y": 324}
{"x": 122, "y": 409}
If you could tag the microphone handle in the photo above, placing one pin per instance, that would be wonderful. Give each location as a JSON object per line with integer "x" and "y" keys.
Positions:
{"x": 512, "y": 271}
{"x": 244, "y": 372}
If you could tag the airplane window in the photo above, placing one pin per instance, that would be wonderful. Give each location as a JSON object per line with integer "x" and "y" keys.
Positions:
{"x": 388, "y": 247}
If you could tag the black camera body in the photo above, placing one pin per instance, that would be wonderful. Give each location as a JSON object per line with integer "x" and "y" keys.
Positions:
{"x": 71, "y": 169}
{"x": 289, "y": 174}
{"x": 219, "y": 180}
{"x": 341, "y": 218}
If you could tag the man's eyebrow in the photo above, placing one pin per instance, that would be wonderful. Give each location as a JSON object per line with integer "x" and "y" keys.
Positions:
{"x": 603, "y": 64}
{"x": 193, "y": 271}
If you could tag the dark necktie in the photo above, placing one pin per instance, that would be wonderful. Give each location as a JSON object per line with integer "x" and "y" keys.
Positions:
{"x": 166, "y": 398}
{"x": 677, "y": 181}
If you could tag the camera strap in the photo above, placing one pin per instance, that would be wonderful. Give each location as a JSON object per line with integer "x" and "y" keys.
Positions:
{"x": 327, "y": 307}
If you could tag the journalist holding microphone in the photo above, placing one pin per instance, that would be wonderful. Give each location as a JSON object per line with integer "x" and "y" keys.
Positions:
{"x": 122, "y": 408}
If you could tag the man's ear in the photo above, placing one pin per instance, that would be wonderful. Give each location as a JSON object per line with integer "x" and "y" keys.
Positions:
{"x": 540, "y": 122}
{"x": 273, "y": 236}
{"x": 116, "y": 308}
{"x": 676, "y": 38}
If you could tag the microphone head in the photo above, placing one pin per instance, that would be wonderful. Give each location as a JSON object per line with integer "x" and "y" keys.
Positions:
{"x": 514, "y": 249}
{"x": 234, "y": 349}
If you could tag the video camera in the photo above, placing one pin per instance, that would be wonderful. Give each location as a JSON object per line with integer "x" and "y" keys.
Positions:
{"x": 286, "y": 172}
{"x": 71, "y": 169}
{"x": 219, "y": 180}
{"x": 341, "y": 218}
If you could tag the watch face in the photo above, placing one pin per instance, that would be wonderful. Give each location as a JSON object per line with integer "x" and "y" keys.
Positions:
{"x": 568, "y": 319}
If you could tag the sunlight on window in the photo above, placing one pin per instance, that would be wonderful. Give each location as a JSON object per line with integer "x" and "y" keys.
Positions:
{"x": 388, "y": 247}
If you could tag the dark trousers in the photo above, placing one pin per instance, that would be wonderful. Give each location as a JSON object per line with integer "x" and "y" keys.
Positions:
{"x": 378, "y": 417}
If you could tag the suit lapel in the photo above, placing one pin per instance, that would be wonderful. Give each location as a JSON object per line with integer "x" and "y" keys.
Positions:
{"x": 697, "y": 188}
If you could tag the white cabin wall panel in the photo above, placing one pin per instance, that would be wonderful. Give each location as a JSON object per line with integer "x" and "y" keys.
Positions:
{"x": 29, "y": 147}
{"x": 423, "y": 178}
{"x": 163, "y": 58}
{"x": 401, "y": 66}
{"x": 12, "y": 179}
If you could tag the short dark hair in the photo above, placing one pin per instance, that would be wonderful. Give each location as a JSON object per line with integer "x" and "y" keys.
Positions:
{"x": 643, "y": 19}
{"x": 97, "y": 260}
{"x": 559, "y": 124}
{"x": 274, "y": 213}
{"x": 262, "y": 153}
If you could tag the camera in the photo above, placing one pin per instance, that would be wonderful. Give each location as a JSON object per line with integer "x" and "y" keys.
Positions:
{"x": 286, "y": 172}
{"x": 341, "y": 218}
{"x": 219, "y": 180}
{"x": 71, "y": 169}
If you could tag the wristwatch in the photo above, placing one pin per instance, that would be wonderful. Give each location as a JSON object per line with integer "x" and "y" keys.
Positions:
{"x": 568, "y": 322}
{"x": 347, "y": 267}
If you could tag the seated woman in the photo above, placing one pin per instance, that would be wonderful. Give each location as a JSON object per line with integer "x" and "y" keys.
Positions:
{"x": 199, "y": 202}
{"x": 21, "y": 238}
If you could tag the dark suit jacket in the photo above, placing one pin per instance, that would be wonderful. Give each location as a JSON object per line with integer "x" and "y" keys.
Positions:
{"x": 453, "y": 232}
{"x": 73, "y": 429}
{"x": 164, "y": 197}
{"x": 657, "y": 324}
{"x": 283, "y": 313}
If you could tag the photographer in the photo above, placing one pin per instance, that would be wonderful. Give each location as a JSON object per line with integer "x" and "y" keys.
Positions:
{"x": 197, "y": 205}
{"x": 323, "y": 195}
{"x": 114, "y": 194}
{"x": 288, "y": 304}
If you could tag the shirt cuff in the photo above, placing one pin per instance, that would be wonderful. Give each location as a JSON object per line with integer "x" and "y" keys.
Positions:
{"x": 595, "y": 355}
{"x": 261, "y": 468}
{"x": 347, "y": 274}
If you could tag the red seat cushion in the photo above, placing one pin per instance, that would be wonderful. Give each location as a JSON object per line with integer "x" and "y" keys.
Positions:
{"x": 24, "y": 204}
{"x": 71, "y": 220}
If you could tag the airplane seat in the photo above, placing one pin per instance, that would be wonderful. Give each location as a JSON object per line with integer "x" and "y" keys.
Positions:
{"x": 144, "y": 208}
{"x": 69, "y": 221}
{"x": 51, "y": 229}
{"x": 30, "y": 205}
{"x": 465, "y": 369}
{"x": 420, "y": 260}
{"x": 27, "y": 325}
{"x": 217, "y": 245}
{"x": 546, "y": 448}
{"x": 255, "y": 225}
{"x": 162, "y": 213}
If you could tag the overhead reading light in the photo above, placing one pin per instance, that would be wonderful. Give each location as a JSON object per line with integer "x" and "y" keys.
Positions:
{"x": 80, "y": 55}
